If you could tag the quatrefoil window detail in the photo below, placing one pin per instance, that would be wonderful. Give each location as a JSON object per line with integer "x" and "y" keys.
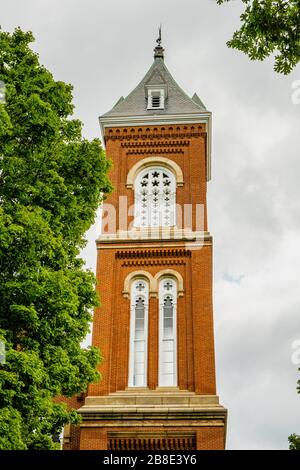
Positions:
{"x": 168, "y": 285}
{"x": 140, "y": 286}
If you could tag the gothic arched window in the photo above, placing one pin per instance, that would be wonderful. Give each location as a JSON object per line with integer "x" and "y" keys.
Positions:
{"x": 167, "y": 332}
{"x": 155, "y": 198}
{"x": 138, "y": 334}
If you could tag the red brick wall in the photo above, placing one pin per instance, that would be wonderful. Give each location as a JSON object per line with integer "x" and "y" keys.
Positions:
{"x": 196, "y": 371}
{"x": 93, "y": 439}
{"x": 186, "y": 146}
{"x": 207, "y": 437}
{"x": 211, "y": 438}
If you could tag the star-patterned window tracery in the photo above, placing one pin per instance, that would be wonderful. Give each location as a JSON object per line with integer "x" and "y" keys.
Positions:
{"x": 155, "y": 198}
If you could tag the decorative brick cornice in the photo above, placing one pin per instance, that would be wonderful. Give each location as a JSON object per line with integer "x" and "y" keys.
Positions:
{"x": 133, "y": 254}
{"x": 155, "y": 151}
{"x": 137, "y": 441}
{"x": 170, "y": 262}
{"x": 181, "y": 126}
{"x": 156, "y": 147}
{"x": 179, "y": 135}
{"x": 173, "y": 143}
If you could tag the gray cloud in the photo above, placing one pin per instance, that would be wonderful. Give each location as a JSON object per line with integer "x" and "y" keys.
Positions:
{"x": 104, "y": 49}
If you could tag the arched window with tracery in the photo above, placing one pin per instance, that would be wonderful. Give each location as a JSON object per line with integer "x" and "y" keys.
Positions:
{"x": 167, "y": 332}
{"x": 155, "y": 198}
{"x": 138, "y": 333}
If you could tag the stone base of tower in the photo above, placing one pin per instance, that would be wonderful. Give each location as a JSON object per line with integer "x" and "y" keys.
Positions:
{"x": 142, "y": 419}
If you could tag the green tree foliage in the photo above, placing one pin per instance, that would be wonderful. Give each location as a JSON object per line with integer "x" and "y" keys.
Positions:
{"x": 270, "y": 26}
{"x": 51, "y": 183}
{"x": 294, "y": 441}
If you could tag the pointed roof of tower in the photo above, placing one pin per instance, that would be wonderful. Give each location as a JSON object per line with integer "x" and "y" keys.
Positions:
{"x": 176, "y": 102}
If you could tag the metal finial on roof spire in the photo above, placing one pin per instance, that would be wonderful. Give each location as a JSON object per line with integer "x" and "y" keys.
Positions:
{"x": 158, "y": 40}
{"x": 159, "y": 50}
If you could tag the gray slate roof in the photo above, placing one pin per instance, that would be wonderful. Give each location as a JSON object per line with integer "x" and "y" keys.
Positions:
{"x": 177, "y": 102}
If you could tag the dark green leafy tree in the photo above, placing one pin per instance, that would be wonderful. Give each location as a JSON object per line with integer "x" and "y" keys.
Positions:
{"x": 270, "y": 26}
{"x": 294, "y": 441}
{"x": 51, "y": 182}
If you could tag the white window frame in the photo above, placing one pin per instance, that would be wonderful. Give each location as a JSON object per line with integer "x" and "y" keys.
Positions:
{"x": 150, "y": 209}
{"x": 133, "y": 298}
{"x": 163, "y": 292}
{"x": 161, "y": 93}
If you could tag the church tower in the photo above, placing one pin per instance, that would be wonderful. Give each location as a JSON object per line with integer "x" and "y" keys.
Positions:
{"x": 154, "y": 270}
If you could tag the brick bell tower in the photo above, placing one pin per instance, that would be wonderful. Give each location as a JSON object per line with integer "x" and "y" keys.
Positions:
{"x": 154, "y": 270}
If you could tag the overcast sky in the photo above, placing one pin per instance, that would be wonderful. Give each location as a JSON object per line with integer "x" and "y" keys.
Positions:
{"x": 104, "y": 48}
